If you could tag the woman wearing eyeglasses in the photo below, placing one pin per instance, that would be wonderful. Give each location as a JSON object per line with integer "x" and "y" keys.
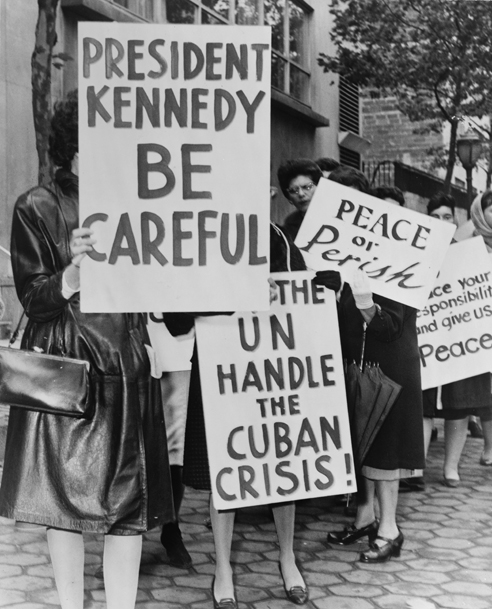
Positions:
{"x": 298, "y": 179}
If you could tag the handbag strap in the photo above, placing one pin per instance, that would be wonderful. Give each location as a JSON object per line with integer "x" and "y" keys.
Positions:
{"x": 287, "y": 245}
{"x": 15, "y": 333}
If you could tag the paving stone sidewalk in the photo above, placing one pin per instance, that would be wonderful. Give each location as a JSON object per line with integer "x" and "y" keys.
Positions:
{"x": 446, "y": 559}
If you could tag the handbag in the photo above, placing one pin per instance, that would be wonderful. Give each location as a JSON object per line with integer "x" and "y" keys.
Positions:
{"x": 45, "y": 383}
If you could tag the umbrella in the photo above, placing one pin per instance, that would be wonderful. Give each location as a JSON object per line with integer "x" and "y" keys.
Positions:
{"x": 370, "y": 396}
{"x": 381, "y": 406}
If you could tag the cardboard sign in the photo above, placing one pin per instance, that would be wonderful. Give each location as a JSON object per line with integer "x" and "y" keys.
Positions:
{"x": 400, "y": 250}
{"x": 274, "y": 399}
{"x": 455, "y": 326}
{"x": 174, "y": 130}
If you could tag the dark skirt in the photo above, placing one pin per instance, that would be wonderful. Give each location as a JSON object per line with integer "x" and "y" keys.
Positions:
{"x": 471, "y": 396}
{"x": 196, "y": 471}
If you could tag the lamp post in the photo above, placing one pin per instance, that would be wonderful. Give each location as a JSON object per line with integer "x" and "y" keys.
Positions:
{"x": 469, "y": 148}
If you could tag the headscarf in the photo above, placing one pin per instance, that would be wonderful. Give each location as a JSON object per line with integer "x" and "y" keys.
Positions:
{"x": 482, "y": 227}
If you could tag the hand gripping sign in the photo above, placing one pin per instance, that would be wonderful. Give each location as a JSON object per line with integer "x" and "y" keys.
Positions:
{"x": 400, "y": 250}
{"x": 174, "y": 125}
{"x": 455, "y": 326}
{"x": 274, "y": 399}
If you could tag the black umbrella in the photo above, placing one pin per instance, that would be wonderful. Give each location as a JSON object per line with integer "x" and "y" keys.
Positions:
{"x": 378, "y": 408}
{"x": 370, "y": 397}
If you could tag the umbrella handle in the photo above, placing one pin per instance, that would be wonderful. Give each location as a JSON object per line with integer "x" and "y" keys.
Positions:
{"x": 364, "y": 332}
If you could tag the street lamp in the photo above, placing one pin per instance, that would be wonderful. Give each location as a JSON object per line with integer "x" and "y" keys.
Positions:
{"x": 469, "y": 148}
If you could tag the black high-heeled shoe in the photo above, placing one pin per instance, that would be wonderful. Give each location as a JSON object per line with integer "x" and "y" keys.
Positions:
{"x": 376, "y": 553}
{"x": 223, "y": 603}
{"x": 351, "y": 534}
{"x": 297, "y": 594}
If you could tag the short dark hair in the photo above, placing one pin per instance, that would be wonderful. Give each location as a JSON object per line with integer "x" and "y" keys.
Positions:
{"x": 64, "y": 136}
{"x": 389, "y": 192}
{"x": 297, "y": 167}
{"x": 327, "y": 164}
{"x": 486, "y": 199}
{"x": 440, "y": 199}
{"x": 349, "y": 176}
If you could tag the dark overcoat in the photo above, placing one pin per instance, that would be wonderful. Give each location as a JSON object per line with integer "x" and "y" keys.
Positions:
{"x": 109, "y": 474}
{"x": 391, "y": 341}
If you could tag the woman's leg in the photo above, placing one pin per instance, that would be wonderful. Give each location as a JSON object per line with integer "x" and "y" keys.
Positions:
{"x": 428, "y": 427}
{"x": 121, "y": 561}
{"x": 387, "y": 494}
{"x": 366, "y": 510}
{"x": 222, "y": 528}
{"x": 284, "y": 515}
{"x": 67, "y": 557}
{"x": 487, "y": 439}
{"x": 455, "y": 432}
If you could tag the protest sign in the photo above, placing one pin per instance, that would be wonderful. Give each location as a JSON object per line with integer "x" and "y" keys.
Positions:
{"x": 400, "y": 250}
{"x": 455, "y": 326}
{"x": 274, "y": 399}
{"x": 174, "y": 130}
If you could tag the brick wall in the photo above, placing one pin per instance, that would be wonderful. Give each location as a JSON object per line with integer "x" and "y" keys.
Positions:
{"x": 392, "y": 134}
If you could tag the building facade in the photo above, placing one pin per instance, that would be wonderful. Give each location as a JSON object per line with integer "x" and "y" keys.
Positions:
{"x": 306, "y": 120}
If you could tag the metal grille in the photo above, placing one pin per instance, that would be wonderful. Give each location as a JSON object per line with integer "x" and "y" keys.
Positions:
{"x": 349, "y": 109}
{"x": 349, "y": 157}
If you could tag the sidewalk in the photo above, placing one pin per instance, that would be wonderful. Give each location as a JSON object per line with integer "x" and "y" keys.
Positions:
{"x": 446, "y": 561}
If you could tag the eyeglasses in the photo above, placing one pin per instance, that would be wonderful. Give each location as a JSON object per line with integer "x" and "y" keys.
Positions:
{"x": 297, "y": 189}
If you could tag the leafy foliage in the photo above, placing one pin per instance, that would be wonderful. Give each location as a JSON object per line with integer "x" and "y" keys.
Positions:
{"x": 435, "y": 56}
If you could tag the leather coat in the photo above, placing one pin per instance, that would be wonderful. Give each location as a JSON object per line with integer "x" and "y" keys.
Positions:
{"x": 109, "y": 474}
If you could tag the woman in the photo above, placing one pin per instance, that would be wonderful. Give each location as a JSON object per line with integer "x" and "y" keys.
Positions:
{"x": 398, "y": 448}
{"x": 298, "y": 179}
{"x": 283, "y": 256}
{"x": 108, "y": 474}
{"x": 475, "y": 392}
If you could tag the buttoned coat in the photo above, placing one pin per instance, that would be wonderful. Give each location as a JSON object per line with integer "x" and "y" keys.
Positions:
{"x": 109, "y": 474}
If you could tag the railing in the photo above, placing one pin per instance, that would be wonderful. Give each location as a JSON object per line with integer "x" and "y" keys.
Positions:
{"x": 379, "y": 173}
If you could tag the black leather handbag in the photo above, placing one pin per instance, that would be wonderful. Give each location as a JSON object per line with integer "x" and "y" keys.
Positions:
{"x": 44, "y": 383}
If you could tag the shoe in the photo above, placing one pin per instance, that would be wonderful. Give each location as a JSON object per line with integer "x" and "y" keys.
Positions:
{"x": 173, "y": 544}
{"x": 224, "y": 603}
{"x": 351, "y": 534}
{"x": 484, "y": 461}
{"x": 475, "y": 429}
{"x": 383, "y": 553}
{"x": 451, "y": 482}
{"x": 409, "y": 485}
{"x": 297, "y": 594}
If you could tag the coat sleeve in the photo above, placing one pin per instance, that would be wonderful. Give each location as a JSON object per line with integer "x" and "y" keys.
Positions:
{"x": 387, "y": 325}
{"x": 37, "y": 265}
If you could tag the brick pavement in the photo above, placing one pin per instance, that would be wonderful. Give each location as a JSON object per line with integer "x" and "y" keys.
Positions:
{"x": 446, "y": 559}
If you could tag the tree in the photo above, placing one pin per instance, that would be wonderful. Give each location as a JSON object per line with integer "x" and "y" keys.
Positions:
{"x": 41, "y": 61}
{"x": 434, "y": 56}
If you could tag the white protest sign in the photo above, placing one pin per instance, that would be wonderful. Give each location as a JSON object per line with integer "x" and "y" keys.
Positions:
{"x": 400, "y": 250}
{"x": 455, "y": 326}
{"x": 174, "y": 132}
{"x": 274, "y": 399}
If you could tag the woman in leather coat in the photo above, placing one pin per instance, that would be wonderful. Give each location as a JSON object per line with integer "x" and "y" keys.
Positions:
{"x": 108, "y": 474}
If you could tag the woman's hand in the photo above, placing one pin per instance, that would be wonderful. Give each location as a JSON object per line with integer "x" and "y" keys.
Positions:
{"x": 273, "y": 290}
{"x": 81, "y": 242}
{"x": 328, "y": 279}
{"x": 362, "y": 290}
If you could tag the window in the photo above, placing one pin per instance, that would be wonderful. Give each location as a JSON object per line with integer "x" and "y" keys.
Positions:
{"x": 290, "y": 33}
{"x": 290, "y": 57}
{"x": 144, "y": 8}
